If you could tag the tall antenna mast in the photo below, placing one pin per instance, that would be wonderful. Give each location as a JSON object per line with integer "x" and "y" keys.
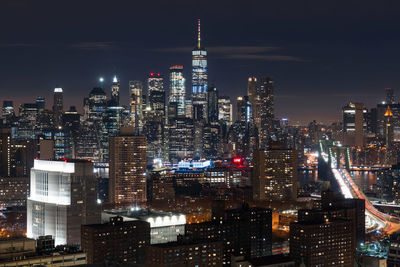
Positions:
{"x": 198, "y": 34}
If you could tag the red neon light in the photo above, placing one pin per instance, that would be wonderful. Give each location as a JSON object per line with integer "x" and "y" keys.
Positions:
{"x": 151, "y": 73}
{"x": 237, "y": 160}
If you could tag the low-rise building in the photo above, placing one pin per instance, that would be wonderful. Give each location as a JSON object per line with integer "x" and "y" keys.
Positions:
{"x": 22, "y": 251}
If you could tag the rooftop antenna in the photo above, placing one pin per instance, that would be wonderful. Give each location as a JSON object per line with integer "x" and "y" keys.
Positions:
{"x": 198, "y": 34}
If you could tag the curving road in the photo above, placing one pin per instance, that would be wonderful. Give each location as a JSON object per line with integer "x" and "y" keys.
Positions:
{"x": 388, "y": 224}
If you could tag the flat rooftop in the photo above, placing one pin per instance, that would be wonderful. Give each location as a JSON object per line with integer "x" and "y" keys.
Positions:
{"x": 156, "y": 218}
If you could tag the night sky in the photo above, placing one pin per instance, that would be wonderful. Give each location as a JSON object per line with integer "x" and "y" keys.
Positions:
{"x": 322, "y": 54}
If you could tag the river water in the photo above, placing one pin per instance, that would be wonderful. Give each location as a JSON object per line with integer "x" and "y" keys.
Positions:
{"x": 364, "y": 179}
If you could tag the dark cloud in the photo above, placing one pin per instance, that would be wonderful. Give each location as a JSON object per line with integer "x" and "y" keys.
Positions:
{"x": 265, "y": 57}
{"x": 222, "y": 49}
{"x": 239, "y": 52}
{"x": 19, "y": 45}
{"x": 93, "y": 45}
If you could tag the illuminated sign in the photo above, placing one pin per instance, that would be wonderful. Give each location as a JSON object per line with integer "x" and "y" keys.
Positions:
{"x": 194, "y": 164}
{"x": 237, "y": 160}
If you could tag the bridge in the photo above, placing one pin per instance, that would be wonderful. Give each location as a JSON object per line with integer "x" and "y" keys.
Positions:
{"x": 336, "y": 159}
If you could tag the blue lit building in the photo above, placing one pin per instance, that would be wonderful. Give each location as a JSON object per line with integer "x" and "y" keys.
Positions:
{"x": 177, "y": 91}
{"x": 199, "y": 71}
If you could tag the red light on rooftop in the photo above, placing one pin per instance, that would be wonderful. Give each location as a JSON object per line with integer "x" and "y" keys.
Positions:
{"x": 176, "y": 67}
{"x": 158, "y": 74}
{"x": 152, "y": 74}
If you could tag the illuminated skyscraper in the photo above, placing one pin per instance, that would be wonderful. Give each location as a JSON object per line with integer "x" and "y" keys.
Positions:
{"x": 115, "y": 92}
{"x": 354, "y": 124}
{"x": 181, "y": 137}
{"x": 8, "y": 113}
{"x": 252, "y": 92}
{"x": 5, "y": 152}
{"x": 156, "y": 94}
{"x": 177, "y": 91}
{"x": 95, "y": 105}
{"x": 225, "y": 112}
{"x": 199, "y": 71}
{"x": 275, "y": 173}
{"x": 388, "y": 128}
{"x": 266, "y": 111}
{"x": 136, "y": 104}
{"x": 212, "y": 104}
{"x": 155, "y": 119}
{"x": 58, "y": 106}
{"x": 189, "y": 108}
{"x": 127, "y": 167}
{"x": 63, "y": 196}
{"x": 244, "y": 109}
{"x": 390, "y": 99}
{"x": 41, "y": 103}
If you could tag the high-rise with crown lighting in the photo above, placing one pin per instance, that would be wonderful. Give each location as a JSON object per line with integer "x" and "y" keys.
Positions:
{"x": 177, "y": 91}
{"x": 115, "y": 91}
{"x": 199, "y": 71}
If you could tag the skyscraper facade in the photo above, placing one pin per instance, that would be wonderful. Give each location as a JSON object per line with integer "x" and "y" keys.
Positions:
{"x": 212, "y": 104}
{"x": 115, "y": 91}
{"x": 41, "y": 103}
{"x": 177, "y": 91}
{"x": 275, "y": 173}
{"x": 156, "y": 94}
{"x": 266, "y": 111}
{"x": 155, "y": 118}
{"x": 354, "y": 124}
{"x": 225, "y": 112}
{"x": 318, "y": 242}
{"x": 8, "y": 112}
{"x": 127, "y": 161}
{"x": 117, "y": 241}
{"x": 252, "y": 92}
{"x": 181, "y": 137}
{"x": 58, "y": 106}
{"x": 63, "y": 196}
{"x": 390, "y": 99}
{"x": 136, "y": 104}
{"x": 199, "y": 71}
{"x": 244, "y": 109}
{"x": 5, "y": 152}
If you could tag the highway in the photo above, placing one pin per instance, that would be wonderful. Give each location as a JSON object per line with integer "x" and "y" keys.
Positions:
{"x": 383, "y": 222}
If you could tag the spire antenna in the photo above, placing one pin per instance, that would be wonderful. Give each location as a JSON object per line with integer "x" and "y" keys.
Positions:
{"x": 198, "y": 34}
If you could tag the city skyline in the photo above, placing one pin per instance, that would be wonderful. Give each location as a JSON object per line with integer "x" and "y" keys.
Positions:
{"x": 207, "y": 133}
{"x": 304, "y": 58}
